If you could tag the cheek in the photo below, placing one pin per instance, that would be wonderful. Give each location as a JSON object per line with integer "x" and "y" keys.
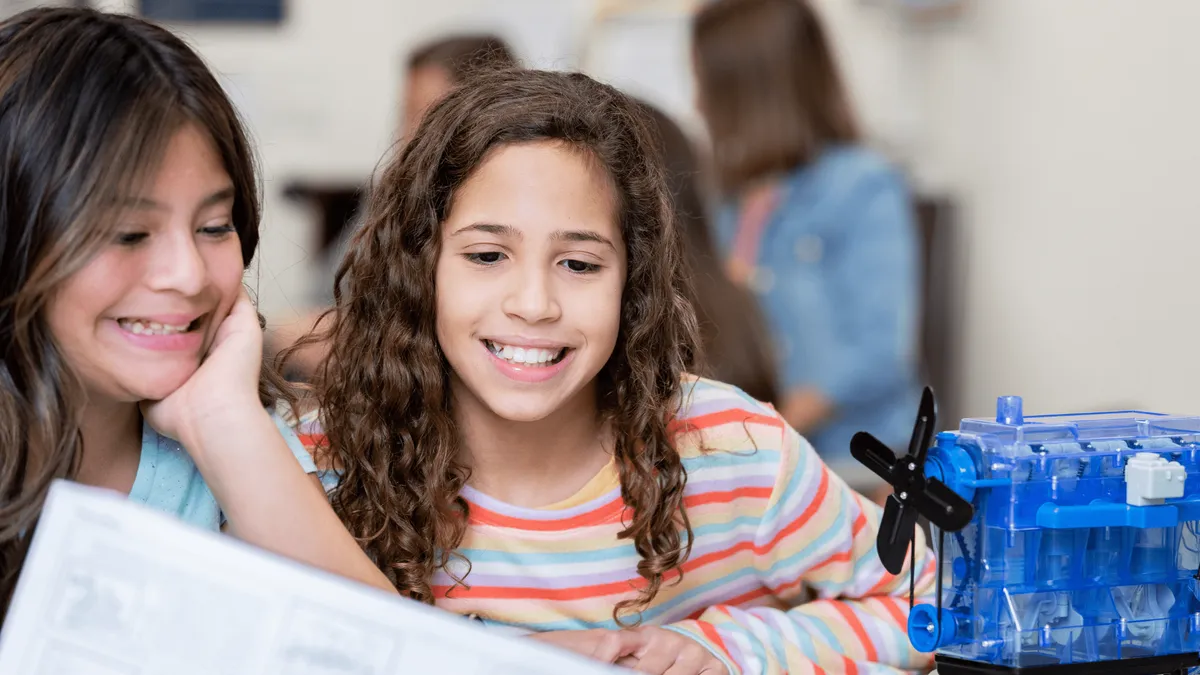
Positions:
{"x": 454, "y": 301}
{"x": 603, "y": 312}
{"x": 85, "y": 296}
{"x": 226, "y": 271}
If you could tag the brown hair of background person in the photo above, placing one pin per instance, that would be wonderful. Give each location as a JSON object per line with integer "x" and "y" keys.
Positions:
{"x": 461, "y": 54}
{"x": 436, "y": 67}
{"x": 767, "y": 115}
{"x": 736, "y": 343}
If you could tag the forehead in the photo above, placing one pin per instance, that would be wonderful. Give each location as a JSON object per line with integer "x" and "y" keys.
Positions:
{"x": 542, "y": 186}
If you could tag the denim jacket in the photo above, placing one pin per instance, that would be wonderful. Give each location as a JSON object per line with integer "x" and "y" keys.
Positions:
{"x": 837, "y": 276}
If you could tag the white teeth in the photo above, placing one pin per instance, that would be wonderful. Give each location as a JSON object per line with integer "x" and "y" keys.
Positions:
{"x": 150, "y": 327}
{"x": 527, "y": 356}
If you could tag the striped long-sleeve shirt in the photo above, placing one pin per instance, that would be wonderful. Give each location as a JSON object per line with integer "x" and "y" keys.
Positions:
{"x": 769, "y": 521}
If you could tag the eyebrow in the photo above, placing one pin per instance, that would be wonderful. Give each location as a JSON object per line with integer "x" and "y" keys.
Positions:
{"x": 220, "y": 196}
{"x": 557, "y": 235}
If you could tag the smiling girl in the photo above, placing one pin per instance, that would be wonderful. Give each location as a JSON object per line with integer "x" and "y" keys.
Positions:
{"x": 130, "y": 354}
{"x": 518, "y": 439}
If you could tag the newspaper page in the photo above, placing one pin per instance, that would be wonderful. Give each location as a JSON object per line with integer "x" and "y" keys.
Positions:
{"x": 113, "y": 588}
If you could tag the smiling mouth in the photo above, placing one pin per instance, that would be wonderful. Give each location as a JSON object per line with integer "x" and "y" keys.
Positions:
{"x": 144, "y": 327}
{"x": 527, "y": 356}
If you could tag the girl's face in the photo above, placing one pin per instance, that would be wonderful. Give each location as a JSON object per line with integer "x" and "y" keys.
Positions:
{"x": 529, "y": 280}
{"x": 136, "y": 320}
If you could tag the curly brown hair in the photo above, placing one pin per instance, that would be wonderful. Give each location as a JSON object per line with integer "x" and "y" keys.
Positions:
{"x": 385, "y": 390}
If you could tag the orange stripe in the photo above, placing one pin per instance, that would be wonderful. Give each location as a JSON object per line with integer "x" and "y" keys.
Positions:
{"x": 597, "y": 516}
{"x": 727, "y": 416}
{"x": 887, "y": 579}
{"x": 803, "y": 518}
{"x": 311, "y": 440}
{"x": 711, "y": 634}
{"x": 898, "y": 616}
{"x": 607, "y": 512}
{"x": 844, "y": 556}
{"x": 859, "y": 631}
{"x": 748, "y": 596}
{"x": 692, "y": 501}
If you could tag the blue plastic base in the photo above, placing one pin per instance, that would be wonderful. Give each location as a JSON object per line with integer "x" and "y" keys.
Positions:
{"x": 1172, "y": 664}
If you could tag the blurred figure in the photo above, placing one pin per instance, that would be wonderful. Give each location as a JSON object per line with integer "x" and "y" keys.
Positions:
{"x": 437, "y": 67}
{"x": 434, "y": 70}
{"x": 818, "y": 226}
{"x": 734, "y": 336}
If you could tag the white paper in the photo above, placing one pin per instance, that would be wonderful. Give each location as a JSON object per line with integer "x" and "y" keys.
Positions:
{"x": 113, "y": 588}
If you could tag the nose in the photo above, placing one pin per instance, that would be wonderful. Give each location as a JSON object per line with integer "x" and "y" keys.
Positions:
{"x": 177, "y": 266}
{"x": 532, "y": 296}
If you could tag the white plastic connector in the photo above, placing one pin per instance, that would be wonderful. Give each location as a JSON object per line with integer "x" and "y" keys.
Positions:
{"x": 1150, "y": 478}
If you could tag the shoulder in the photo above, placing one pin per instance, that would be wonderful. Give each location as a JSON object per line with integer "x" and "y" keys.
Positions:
{"x": 843, "y": 176}
{"x": 850, "y": 164}
{"x": 738, "y": 453}
{"x": 305, "y": 425}
{"x": 303, "y": 434}
{"x": 716, "y": 418}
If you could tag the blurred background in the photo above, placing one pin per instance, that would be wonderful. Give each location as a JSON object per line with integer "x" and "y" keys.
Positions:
{"x": 1050, "y": 146}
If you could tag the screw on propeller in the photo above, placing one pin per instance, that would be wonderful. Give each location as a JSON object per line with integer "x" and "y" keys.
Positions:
{"x": 913, "y": 494}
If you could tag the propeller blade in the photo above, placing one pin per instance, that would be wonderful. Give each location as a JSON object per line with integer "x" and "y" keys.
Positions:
{"x": 923, "y": 429}
{"x": 895, "y": 534}
{"x": 943, "y": 506}
{"x": 873, "y": 454}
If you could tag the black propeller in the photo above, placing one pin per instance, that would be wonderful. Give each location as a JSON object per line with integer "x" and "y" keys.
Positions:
{"x": 914, "y": 494}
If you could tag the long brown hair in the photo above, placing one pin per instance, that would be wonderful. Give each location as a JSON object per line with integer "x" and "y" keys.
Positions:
{"x": 769, "y": 87}
{"x": 88, "y": 104}
{"x": 737, "y": 345}
{"x": 385, "y": 389}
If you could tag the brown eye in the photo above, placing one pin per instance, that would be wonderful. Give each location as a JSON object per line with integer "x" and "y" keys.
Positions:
{"x": 130, "y": 238}
{"x": 580, "y": 267}
{"x": 485, "y": 258}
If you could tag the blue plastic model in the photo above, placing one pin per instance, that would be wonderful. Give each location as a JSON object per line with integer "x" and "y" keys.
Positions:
{"x": 1065, "y": 543}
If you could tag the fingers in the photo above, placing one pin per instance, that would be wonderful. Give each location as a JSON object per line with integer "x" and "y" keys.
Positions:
{"x": 614, "y": 645}
{"x": 657, "y": 659}
{"x": 696, "y": 660}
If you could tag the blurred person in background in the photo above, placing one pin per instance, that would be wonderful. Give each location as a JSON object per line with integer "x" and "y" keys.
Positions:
{"x": 735, "y": 339}
{"x": 433, "y": 69}
{"x": 819, "y": 227}
{"x": 437, "y": 67}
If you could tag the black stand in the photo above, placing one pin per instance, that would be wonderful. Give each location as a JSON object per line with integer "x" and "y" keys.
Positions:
{"x": 1172, "y": 664}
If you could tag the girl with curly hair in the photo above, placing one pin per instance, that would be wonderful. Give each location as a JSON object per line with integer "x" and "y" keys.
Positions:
{"x": 515, "y": 434}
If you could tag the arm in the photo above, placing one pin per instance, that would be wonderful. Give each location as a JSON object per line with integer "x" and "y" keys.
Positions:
{"x": 858, "y": 336}
{"x": 266, "y": 495}
{"x": 818, "y": 533}
{"x": 269, "y": 499}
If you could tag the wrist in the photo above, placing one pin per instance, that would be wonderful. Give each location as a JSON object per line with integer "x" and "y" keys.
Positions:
{"x": 217, "y": 425}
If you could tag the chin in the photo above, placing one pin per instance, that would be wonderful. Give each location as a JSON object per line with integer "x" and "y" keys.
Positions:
{"x": 514, "y": 410}
{"x": 159, "y": 386}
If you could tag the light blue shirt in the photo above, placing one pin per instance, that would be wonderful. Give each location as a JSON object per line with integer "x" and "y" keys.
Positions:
{"x": 168, "y": 480}
{"x": 838, "y": 280}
